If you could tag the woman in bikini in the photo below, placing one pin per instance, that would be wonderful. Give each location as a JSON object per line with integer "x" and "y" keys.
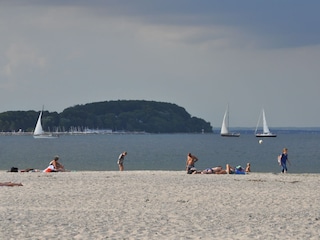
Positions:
{"x": 55, "y": 166}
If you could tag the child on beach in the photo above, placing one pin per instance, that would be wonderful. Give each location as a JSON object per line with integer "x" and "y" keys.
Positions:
{"x": 248, "y": 168}
{"x": 283, "y": 158}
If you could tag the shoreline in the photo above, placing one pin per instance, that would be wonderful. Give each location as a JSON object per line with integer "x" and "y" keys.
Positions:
{"x": 156, "y": 171}
{"x": 159, "y": 205}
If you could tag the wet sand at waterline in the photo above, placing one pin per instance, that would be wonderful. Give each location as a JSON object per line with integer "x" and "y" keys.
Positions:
{"x": 159, "y": 205}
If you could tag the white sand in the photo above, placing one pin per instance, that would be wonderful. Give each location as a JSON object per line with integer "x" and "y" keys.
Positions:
{"x": 159, "y": 205}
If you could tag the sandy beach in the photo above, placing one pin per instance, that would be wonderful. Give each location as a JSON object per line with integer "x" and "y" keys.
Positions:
{"x": 159, "y": 205}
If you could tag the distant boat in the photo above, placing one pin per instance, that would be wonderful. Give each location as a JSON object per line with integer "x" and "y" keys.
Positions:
{"x": 38, "y": 131}
{"x": 265, "y": 132}
{"x": 225, "y": 126}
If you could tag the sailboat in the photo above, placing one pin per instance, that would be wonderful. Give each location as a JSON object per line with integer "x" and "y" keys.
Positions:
{"x": 38, "y": 131}
{"x": 225, "y": 126}
{"x": 265, "y": 132}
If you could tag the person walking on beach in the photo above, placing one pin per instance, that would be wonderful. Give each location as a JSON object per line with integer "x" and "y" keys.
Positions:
{"x": 283, "y": 160}
{"x": 191, "y": 159}
{"x": 120, "y": 160}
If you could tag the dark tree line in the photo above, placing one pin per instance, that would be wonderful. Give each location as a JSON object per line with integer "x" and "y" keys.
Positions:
{"x": 121, "y": 115}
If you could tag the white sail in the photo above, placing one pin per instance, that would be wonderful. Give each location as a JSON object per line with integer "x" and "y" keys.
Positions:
{"x": 265, "y": 129}
{"x": 265, "y": 126}
{"x": 38, "y": 130}
{"x": 225, "y": 126}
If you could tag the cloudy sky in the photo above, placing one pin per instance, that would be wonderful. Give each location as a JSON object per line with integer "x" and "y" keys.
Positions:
{"x": 200, "y": 55}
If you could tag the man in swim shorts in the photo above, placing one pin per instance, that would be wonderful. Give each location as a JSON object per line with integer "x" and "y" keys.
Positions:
{"x": 191, "y": 159}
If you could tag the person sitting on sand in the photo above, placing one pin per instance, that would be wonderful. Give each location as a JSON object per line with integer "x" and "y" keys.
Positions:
{"x": 191, "y": 159}
{"x": 55, "y": 166}
{"x": 10, "y": 184}
{"x": 248, "y": 169}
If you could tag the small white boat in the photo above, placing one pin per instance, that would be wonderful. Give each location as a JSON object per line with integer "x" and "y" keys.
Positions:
{"x": 38, "y": 131}
{"x": 265, "y": 131}
{"x": 225, "y": 126}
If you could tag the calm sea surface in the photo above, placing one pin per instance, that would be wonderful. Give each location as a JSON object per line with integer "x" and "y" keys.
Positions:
{"x": 161, "y": 151}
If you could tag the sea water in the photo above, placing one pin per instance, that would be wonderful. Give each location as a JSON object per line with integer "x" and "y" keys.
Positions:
{"x": 162, "y": 151}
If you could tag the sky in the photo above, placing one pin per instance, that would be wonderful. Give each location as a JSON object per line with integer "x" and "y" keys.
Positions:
{"x": 201, "y": 55}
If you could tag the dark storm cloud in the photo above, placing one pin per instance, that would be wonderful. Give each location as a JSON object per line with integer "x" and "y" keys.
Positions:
{"x": 273, "y": 23}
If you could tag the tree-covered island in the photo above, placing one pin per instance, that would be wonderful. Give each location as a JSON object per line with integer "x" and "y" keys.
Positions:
{"x": 120, "y": 115}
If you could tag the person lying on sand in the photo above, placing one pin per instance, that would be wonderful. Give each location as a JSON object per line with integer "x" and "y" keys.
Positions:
{"x": 229, "y": 170}
{"x": 30, "y": 170}
{"x": 214, "y": 170}
{"x": 10, "y": 184}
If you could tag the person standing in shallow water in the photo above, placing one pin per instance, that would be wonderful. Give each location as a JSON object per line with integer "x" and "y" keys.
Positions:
{"x": 284, "y": 159}
{"x": 120, "y": 160}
